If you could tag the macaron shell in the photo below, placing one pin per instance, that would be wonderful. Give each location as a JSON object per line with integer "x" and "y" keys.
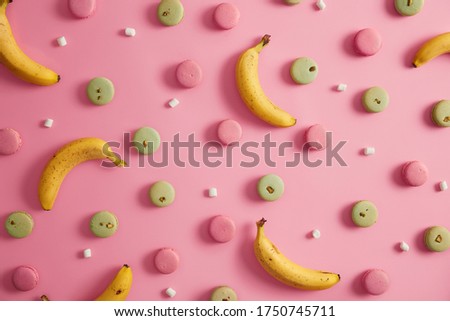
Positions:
{"x": 375, "y": 99}
{"x": 364, "y": 213}
{"x": 226, "y": 15}
{"x": 162, "y": 194}
{"x": 304, "y": 70}
{"x": 223, "y": 293}
{"x": 82, "y": 8}
{"x": 316, "y": 137}
{"x": 441, "y": 113}
{"x": 104, "y": 224}
{"x": 229, "y": 131}
{"x": 376, "y": 281}
{"x": 437, "y": 239}
{"x": 25, "y": 278}
{"x": 270, "y": 187}
{"x": 170, "y": 12}
{"x": 100, "y": 91}
{"x": 189, "y": 74}
{"x": 408, "y": 7}
{"x": 10, "y": 141}
{"x": 167, "y": 260}
{"x": 19, "y": 224}
{"x": 367, "y": 42}
{"x": 415, "y": 173}
{"x": 146, "y": 140}
{"x": 222, "y": 228}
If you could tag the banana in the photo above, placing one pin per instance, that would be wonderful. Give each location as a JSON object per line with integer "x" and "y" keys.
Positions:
{"x": 65, "y": 159}
{"x": 16, "y": 60}
{"x": 432, "y": 48}
{"x": 286, "y": 271}
{"x": 119, "y": 287}
{"x": 252, "y": 94}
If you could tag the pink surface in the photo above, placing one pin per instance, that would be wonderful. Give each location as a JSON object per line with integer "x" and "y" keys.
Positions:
{"x": 143, "y": 71}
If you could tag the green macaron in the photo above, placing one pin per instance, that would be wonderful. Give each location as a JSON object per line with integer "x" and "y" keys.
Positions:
{"x": 441, "y": 113}
{"x": 364, "y": 213}
{"x": 304, "y": 70}
{"x": 375, "y": 99}
{"x": 104, "y": 224}
{"x": 100, "y": 91}
{"x": 223, "y": 293}
{"x": 19, "y": 224}
{"x": 437, "y": 238}
{"x": 170, "y": 12}
{"x": 270, "y": 187}
{"x": 162, "y": 194}
{"x": 408, "y": 7}
{"x": 146, "y": 140}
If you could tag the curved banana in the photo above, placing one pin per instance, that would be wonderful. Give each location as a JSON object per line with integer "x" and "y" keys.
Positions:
{"x": 119, "y": 287}
{"x": 252, "y": 94}
{"x": 286, "y": 271}
{"x": 66, "y": 158}
{"x": 16, "y": 60}
{"x": 432, "y": 48}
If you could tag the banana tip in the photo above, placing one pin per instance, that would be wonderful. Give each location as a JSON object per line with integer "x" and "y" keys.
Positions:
{"x": 59, "y": 77}
{"x": 261, "y": 222}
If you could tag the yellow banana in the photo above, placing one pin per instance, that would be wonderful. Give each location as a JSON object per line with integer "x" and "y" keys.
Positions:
{"x": 16, "y": 60}
{"x": 286, "y": 271}
{"x": 66, "y": 158}
{"x": 252, "y": 94}
{"x": 432, "y": 48}
{"x": 119, "y": 287}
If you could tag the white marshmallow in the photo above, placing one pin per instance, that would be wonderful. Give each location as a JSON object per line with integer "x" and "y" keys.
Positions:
{"x": 369, "y": 151}
{"x": 87, "y": 253}
{"x": 321, "y": 4}
{"x": 171, "y": 292}
{"x": 173, "y": 103}
{"x": 443, "y": 185}
{"x": 342, "y": 87}
{"x": 404, "y": 246}
{"x": 48, "y": 123}
{"x": 212, "y": 192}
{"x": 130, "y": 32}
{"x": 315, "y": 233}
{"x": 62, "y": 41}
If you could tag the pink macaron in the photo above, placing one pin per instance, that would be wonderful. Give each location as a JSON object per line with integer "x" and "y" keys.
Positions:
{"x": 189, "y": 74}
{"x": 25, "y": 278}
{"x": 316, "y": 137}
{"x": 166, "y": 260}
{"x": 82, "y": 8}
{"x": 414, "y": 173}
{"x": 226, "y": 15}
{"x": 367, "y": 42}
{"x": 376, "y": 281}
{"x": 229, "y": 131}
{"x": 10, "y": 141}
{"x": 222, "y": 228}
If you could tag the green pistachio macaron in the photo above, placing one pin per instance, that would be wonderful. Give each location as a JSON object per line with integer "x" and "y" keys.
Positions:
{"x": 375, "y": 99}
{"x": 100, "y": 91}
{"x": 437, "y": 238}
{"x": 364, "y": 213}
{"x": 104, "y": 224}
{"x": 161, "y": 193}
{"x": 223, "y": 293}
{"x": 304, "y": 70}
{"x": 270, "y": 187}
{"x": 441, "y": 113}
{"x": 146, "y": 140}
{"x": 408, "y": 7}
{"x": 19, "y": 224}
{"x": 170, "y": 12}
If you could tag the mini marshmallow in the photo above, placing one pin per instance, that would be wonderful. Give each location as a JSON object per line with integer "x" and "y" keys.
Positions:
{"x": 87, "y": 253}
{"x": 48, "y": 123}
{"x": 404, "y": 246}
{"x": 62, "y": 41}
{"x": 171, "y": 292}
{"x": 321, "y": 4}
{"x": 315, "y": 233}
{"x": 212, "y": 192}
{"x": 130, "y": 32}
{"x": 369, "y": 151}
{"x": 342, "y": 87}
{"x": 443, "y": 185}
{"x": 173, "y": 103}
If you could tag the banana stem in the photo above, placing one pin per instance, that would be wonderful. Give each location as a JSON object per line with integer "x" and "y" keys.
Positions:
{"x": 261, "y": 222}
{"x": 264, "y": 41}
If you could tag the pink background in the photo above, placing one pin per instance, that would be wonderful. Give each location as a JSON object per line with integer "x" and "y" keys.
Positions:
{"x": 142, "y": 69}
